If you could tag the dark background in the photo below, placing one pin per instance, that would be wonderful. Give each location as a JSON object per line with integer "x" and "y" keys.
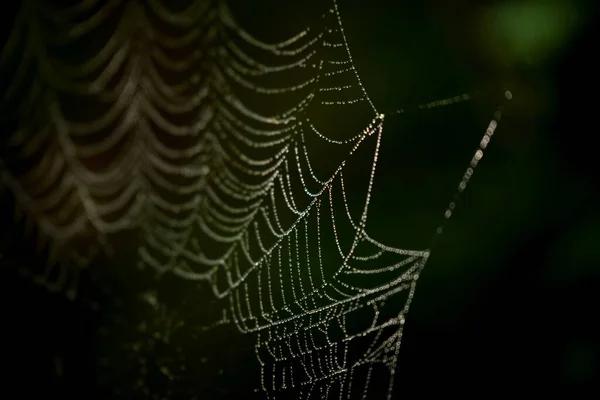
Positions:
{"x": 508, "y": 302}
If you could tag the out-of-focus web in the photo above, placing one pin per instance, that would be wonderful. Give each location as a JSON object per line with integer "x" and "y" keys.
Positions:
{"x": 186, "y": 126}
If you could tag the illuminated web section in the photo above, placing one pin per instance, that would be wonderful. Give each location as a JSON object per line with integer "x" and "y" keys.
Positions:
{"x": 234, "y": 157}
{"x": 259, "y": 227}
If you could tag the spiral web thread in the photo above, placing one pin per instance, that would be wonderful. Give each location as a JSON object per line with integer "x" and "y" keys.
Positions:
{"x": 161, "y": 126}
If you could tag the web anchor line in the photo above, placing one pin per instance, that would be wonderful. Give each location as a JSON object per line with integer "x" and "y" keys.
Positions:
{"x": 460, "y": 98}
{"x": 477, "y": 156}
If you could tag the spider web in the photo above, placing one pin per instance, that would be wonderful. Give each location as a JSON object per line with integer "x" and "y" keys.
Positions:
{"x": 233, "y": 157}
